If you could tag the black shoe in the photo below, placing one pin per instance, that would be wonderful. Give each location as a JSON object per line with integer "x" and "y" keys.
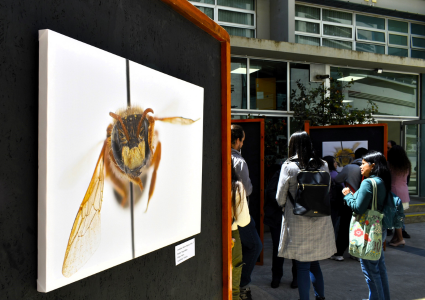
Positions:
{"x": 389, "y": 232}
{"x": 275, "y": 283}
{"x": 320, "y": 298}
{"x": 245, "y": 293}
{"x": 294, "y": 284}
{"x": 405, "y": 234}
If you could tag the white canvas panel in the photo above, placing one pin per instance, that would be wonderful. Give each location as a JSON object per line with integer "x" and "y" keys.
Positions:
{"x": 79, "y": 86}
{"x": 343, "y": 151}
{"x": 174, "y": 212}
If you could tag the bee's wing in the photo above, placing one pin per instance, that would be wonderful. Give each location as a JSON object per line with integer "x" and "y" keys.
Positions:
{"x": 177, "y": 120}
{"x": 85, "y": 234}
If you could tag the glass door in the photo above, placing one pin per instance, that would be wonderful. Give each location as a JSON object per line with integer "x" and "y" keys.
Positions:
{"x": 412, "y": 142}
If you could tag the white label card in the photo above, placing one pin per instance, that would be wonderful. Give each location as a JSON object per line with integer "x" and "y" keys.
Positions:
{"x": 185, "y": 251}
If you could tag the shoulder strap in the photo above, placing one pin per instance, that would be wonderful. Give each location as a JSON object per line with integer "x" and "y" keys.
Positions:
{"x": 374, "y": 198}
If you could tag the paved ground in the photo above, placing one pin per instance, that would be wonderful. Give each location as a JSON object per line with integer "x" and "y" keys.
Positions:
{"x": 345, "y": 280}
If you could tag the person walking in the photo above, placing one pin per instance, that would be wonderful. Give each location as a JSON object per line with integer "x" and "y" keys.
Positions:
{"x": 400, "y": 168}
{"x": 250, "y": 240}
{"x": 305, "y": 239}
{"x": 351, "y": 177}
{"x": 241, "y": 218}
{"x": 374, "y": 165}
{"x": 273, "y": 218}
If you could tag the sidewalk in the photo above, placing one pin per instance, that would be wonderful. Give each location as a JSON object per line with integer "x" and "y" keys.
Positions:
{"x": 345, "y": 280}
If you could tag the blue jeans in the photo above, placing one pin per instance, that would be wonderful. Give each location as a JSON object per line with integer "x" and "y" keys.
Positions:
{"x": 251, "y": 249}
{"x": 375, "y": 273}
{"x": 310, "y": 270}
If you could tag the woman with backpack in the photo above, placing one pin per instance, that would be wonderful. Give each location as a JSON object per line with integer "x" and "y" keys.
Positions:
{"x": 400, "y": 168}
{"x": 305, "y": 239}
{"x": 374, "y": 167}
{"x": 241, "y": 217}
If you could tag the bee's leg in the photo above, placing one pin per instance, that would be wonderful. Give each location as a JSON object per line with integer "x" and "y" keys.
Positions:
{"x": 155, "y": 162}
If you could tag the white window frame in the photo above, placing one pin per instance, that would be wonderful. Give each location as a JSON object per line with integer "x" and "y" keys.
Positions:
{"x": 417, "y": 37}
{"x": 355, "y": 28}
{"x": 337, "y": 37}
{"x": 308, "y": 21}
{"x": 217, "y": 7}
{"x": 396, "y": 45}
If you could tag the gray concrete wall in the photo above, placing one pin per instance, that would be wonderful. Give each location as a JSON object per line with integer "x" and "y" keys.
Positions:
{"x": 263, "y": 19}
{"x": 412, "y": 6}
{"x": 282, "y": 22}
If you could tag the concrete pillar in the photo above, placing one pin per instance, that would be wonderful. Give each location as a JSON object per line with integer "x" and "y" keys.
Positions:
{"x": 421, "y": 145}
{"x": 263, "y": 19}
{"x": 282, "y": 20}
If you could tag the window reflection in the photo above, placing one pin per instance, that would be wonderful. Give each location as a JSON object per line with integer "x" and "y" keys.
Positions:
{"x": 394, "y": 93}
{"x": 301, "y": 73}
{"x": 268, "y": 85}
{"x": 238, "y": 82}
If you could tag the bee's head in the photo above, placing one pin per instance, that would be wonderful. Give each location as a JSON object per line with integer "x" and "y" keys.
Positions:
{"x": 130, "y": 142}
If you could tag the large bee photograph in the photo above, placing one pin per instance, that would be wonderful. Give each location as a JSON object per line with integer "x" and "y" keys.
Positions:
{"x": 343, "y": 151}
{"x": 120, "y": 160}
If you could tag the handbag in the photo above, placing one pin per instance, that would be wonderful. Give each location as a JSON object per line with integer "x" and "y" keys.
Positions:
{"x": 366, "y": 231}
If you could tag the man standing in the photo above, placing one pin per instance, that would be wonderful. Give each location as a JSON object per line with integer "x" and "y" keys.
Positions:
{"x": 352, "y": 178}
{"x": 251, "y": 242}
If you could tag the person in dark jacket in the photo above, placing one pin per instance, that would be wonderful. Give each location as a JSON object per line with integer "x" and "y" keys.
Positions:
{"x": 273, "y": 218}
{"x": 351, "y": 177}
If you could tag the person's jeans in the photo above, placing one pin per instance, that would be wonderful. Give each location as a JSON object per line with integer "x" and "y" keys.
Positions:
{"x": 343, "y": 239}
{"x": 335, "y": 221}
{"x": 310, "y": 270}
{"x": 375, "y": 273}
{"x": 251, "y": 249}
{"x": 237, "y": 265}
{"x": 277, "y": 262}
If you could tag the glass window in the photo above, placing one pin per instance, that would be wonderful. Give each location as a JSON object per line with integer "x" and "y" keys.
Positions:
{"x": 400, "y": 40}
{"x": 235, "y": 17}
{"x": 276, "y": 143}
{"x": 307, "y": 27}
{"x": 370, "y": 48}
{"x": 307, "y": 40}
{"x": 337, "y": 17}
{"x": 398, "y": 26}
{"x": 249, "y": 33}
{"x": 345, "y": 32}
{"x": 204, "y": 1}
{"x": 398, "y": 52}
{"x": 412, "y": 143}
{"x": 207, "y": 10}
{"x": 268, "y": 85}
{"x": 393, "y": 93}
{"x": 371, "y": 22}
{"x": 243, "y": 4}
{"x": 300, "y": 73}
{"x": 418, "y": 29}
{"x": 418, "y": 42}
{"x": 307, "y": 12}
{"x": 368, "y": 35}
{"x": 337, "y": 44}
{"x": 418, "y": 54}
{"x": 238, "y": 82}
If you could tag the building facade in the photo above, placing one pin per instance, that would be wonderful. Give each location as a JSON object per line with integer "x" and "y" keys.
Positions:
{"x": 379, "y": 44}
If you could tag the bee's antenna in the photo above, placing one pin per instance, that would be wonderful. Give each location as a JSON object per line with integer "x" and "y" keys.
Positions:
{"x": 143, "y": 117}
{"x": 118, "y": 118}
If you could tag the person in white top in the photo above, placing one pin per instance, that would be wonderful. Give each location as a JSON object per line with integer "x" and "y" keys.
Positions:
{"x": 241, "y": 217}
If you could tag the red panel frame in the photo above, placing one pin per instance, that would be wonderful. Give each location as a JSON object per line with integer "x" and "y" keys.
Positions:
{"x": 261, "y": 121}
{"x": 307, "y": 128}
{"x": 201, "y": 20}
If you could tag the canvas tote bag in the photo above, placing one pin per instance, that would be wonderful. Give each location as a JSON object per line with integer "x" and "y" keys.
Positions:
{"x": 366, "y": 231}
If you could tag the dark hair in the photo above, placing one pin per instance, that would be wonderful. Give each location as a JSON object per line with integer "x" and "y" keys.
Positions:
{"x": 398, "y": 160}
{"x": 392, "y": 143}
{"x": 330, "y": 160}
{"x": 300, "y": 144}
{"x": 360, "y": 152}
{"x": 235, "y": 189}
{"x": 237, "y": 133}
{"x": 380, "y": 169}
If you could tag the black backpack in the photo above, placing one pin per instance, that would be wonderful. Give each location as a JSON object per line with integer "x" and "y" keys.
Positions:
{"x": 312, "y": 197}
